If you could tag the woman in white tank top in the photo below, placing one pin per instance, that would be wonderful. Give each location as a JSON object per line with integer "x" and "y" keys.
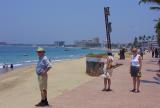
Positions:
{"x": 135, "y": 69}
{"x": 108, "y": 72}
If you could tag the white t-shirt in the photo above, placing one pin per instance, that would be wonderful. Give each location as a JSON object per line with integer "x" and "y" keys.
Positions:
{"x": 135, "y": 60}
{"x": 110, "y": 58}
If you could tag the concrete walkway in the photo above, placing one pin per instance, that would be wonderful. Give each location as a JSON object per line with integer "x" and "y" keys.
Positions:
{"x": 90, "y": 95}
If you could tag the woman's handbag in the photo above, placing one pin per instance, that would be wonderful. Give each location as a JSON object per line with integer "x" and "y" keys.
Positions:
{"x": 139, "y": 74}
{"x": 105, "y": 73}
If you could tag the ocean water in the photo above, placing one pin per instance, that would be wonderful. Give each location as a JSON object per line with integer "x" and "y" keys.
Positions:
{"x": 20, "y": 55}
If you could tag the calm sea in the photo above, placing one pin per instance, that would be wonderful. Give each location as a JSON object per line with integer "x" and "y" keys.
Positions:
{"x": 20, "y": 55}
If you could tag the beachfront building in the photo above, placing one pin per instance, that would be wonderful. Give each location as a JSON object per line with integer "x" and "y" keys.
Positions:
{"x": 154, "y": 44}
{"x": 148, "y": 44}
{"x": 3, "y": 43}
{"x": 59, "y": 43}
{"x": 88, "y": 43}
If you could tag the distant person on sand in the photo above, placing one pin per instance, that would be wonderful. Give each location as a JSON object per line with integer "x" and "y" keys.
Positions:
{"x": 4, "y": 66}
{"x": 153, "y": 52}
{"x": 156, "y": 52}
{"x": 11, "y": 66}
{"x": 122, "y": 53}
{"x": 43, "y": 66}
{"x": 108, "y": 71}
{"x": 135, "y": 70}
{"x": 141, "y": 52}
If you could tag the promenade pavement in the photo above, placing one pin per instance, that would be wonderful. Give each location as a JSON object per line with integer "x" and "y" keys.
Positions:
{"x": 89, "y": 95}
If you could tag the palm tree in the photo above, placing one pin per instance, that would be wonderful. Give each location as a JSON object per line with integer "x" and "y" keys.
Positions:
{"x": 149, "y": 38}
{"x": 157, "y": 27}
{"x": 152, "y": 38}
{"x": 135, "y": 43}
{"x": 148, "y": 41}
{"x": 157, "y": 2}
{"x": 144, "y": 38}
{"x": 140, "y": 38}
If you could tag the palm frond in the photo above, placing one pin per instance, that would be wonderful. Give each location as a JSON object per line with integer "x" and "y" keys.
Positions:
{"x": 155, "y": 8}
{"x": 150, "y": 1}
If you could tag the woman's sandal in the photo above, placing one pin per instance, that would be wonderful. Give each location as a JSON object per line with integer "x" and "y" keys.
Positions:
{"x": 133, "y": 90}
{"x": 109, "y": 89}
{"x": 138, "y": 91}
{"x": 104, "y": 89}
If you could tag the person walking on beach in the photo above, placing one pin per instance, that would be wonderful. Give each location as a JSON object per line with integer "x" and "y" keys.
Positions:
{"x": 141, "y": 52}
{"x": 135, "y": 70}
{"x": 122, "y": 53}
{"x": 43, "y": 66}
{"x": 153, "y": 52}
{"x": 11, "y": 66}
{"x": 108, "y": 72}
{"x": 156, "y": 52}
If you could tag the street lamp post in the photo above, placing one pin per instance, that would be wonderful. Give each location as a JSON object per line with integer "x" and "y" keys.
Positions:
{"x": 109, "y": 37}
{"x": 108, "y": 27}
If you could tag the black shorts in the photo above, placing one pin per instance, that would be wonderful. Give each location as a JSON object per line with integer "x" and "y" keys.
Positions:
{"x": 135, "y": 71}
{"x": 141, "y": 54}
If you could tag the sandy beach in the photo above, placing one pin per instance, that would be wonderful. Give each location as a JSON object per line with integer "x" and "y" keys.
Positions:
{"x": 19, "y": 88}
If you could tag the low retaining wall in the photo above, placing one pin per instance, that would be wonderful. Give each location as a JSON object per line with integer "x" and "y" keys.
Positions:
{"x": 94, "y": 66}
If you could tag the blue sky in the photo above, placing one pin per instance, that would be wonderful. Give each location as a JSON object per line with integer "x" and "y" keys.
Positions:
{"x": 45, "y": 21}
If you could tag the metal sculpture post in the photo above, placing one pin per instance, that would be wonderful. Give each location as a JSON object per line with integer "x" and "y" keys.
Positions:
{"x": 108, "y": 27}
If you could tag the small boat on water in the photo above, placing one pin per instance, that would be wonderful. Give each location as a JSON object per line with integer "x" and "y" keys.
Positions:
{"x": 66, "y": 49}
{"x": 25, "y": 54}
{"x": 84, "y": 48}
